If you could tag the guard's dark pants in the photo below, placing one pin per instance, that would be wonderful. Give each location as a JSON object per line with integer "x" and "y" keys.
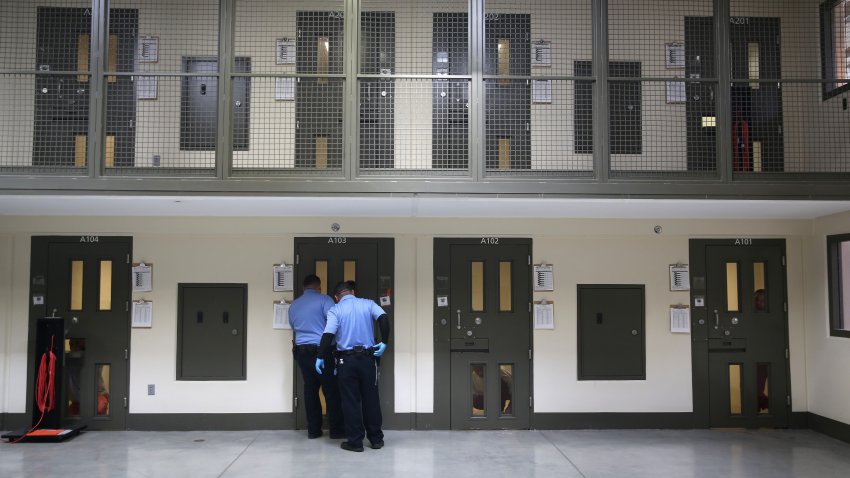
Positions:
{"x": 361, "y": 406}
{"x": 306, "y": 358}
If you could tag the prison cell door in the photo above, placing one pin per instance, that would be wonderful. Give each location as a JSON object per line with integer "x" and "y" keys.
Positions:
{"x": 490, "y": 334}
{"x": 369, "y": 263}
{"x": 377, "y": 95}
{"x": 747, "y": 335}
{"x": 507, "y": 52}
{"x": 60, "y": 129}
{"x": 756, "y": 107}
{"x": 450, "y": 97}
{"x": 318, "y": 99}
{"x": 199, "y": 107}
{"x": 87, "y": 283}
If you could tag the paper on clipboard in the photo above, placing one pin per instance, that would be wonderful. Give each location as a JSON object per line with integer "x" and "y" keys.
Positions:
{"x": 544, "y": 315}
{"x": 142, "y": 314}
{"x": 281, "y": 315}
{"x": 680, "y": 319}
{"x": 283, "y": 278}
{"x": 142, "y": 277}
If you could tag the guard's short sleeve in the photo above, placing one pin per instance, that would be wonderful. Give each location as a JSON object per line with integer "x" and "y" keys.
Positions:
{"x": 327, "y": 305}
{"x": 376, "y": 311}
{"x": 332, "y": 325}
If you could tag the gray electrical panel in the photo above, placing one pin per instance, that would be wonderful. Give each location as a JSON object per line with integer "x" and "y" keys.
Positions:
{"x": 611, "y": 342}
{"x": 211, "y": 331}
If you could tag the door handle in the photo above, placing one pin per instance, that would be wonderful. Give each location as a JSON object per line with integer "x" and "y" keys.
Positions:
{"x": 458, "y": 319}
{"x": 716, "y": 320}
{"x": 203, "y": 88}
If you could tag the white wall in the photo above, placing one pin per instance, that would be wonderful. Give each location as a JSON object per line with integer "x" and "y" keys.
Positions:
{"x": 827, "y": 357}
{"x": 243, "y": 250}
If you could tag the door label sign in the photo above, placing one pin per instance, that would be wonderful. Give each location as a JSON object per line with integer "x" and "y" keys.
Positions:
{"x": 337, "y": 240}
{"x": 743, "y": 242}
{"x": 89, "y": 238}
{"x": 493, "y": 241}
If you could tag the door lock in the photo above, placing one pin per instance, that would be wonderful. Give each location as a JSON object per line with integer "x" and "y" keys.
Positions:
{"x": 716, "y": 320}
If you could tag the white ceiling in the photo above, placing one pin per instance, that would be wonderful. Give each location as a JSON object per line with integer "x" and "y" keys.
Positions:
{"x": 414, "y": 206}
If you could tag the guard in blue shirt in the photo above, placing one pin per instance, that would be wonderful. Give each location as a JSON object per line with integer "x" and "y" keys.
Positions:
{"x": 350, "y": 321}
{"x": 307, "y": 317}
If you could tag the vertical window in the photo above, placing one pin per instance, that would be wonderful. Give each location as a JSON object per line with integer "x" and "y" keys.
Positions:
{"x": 505, "y": 289}
{"x": 506, "y": 394}
{"x": 105, "y": 302}
{"x": 478, "y": 384}
{"x": 102, "y": 379}
{"x": 835, "y": 33}
{"x": 349, "y": 270}
{"x": 477, "y": 286}
{"x": 838, "y": 264}
{"x": 759, "y": 287}
{"x": 735, "y": 388}
{"x": 322, "y": 273}
{"x": 76, "y": 285}
{"x": 732, "y": 296}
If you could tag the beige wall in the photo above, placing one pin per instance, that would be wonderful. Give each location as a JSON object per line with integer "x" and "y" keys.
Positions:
{"x": 6, "y": 281}
{"x": 827, "y": 356}
{"x": 243, "y": 250}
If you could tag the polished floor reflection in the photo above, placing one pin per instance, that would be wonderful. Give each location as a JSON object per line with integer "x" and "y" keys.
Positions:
{"x": 573, "y": 453}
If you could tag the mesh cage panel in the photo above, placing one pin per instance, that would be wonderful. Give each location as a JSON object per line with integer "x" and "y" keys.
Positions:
{"x": 410, "y": 121}
{"x": 164, "y": 122}
{"x": 535, "y": 112}
{"x": 789, "y": 88}
{"x": 291, "y": 120}
{"x": 44, "y": 86}
{"x": 662, "y": 86}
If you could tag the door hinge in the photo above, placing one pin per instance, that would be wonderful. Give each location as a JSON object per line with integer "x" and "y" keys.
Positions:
{"x": 529, "y": 354}
{"x": 127, "y": 306}
{"x": 529, "y": 306}
{"x": 785, "y": 306}
{"x": 125, "y": 402}
{"x": 787, "y": 354}
{"x": 126, "y": 354}
{"x": 530, "y": 401}
{"x": 128, "y": 258}
{"x": 529, "y": 259}
{"x": 297, "y": 259}
{"x": 783, "y": 261}
{"x": 295, "y": 403}
{"x": 788, "y": 400}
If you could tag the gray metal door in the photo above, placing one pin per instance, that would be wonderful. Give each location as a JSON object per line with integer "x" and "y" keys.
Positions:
{"x": 88, "y": 284}
{"x": 369, "y": 263}
{"x": 746, "y": 335}
{"x": 199, "y": 107}
{"x": 489, "y": 333}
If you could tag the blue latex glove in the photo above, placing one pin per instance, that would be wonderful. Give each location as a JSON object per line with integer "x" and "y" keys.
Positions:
{"x": 320, "y": 364}
{"x": 379, "y": 349}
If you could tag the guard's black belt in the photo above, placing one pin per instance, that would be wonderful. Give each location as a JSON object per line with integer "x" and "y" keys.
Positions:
{"x": 307, "y": 349}
{"x": 357, "y": 351}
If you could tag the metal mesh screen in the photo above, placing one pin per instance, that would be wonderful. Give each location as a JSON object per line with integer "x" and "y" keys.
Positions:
{"x": 789, "y": 94}
{"x": 534, "y": 112}
{"x": 292, "y": 121}
{"x": 163, "y": 122}
{"x": 662, "y": 86}
{"x": 44, "y": 86}
{"x": 410, "y": 121}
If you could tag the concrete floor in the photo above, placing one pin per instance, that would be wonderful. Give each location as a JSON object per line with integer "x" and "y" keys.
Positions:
{"x": 444, "y": 454}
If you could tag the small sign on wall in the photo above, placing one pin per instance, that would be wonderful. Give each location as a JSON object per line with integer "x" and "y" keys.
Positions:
{"x": 283, "y": 278}
{"x": 148, "y": 49}
{"x": 285, "y": 51}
